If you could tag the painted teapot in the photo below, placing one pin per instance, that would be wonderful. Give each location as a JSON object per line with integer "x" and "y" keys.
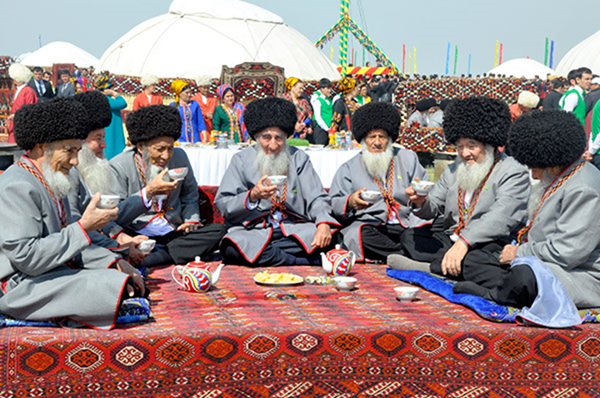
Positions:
{"x": 338, "y": 262}
{"x": 196, "y": 276}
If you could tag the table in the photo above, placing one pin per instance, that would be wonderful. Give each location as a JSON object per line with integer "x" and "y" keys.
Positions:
{"x": 209, "y": 164}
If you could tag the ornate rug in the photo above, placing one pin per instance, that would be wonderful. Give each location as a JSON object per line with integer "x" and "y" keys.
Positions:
{"x": 244, "y": 340}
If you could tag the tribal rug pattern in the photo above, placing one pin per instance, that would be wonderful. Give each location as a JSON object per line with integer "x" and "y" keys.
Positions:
{"x": 245, "y": 340}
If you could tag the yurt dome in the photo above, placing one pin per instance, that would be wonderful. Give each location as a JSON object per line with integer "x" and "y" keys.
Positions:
{"x": 522, "y": 67}
{"x": 586, "y": 53}
{"x": 198, "y": 37}
{"x": 59, "y": 52}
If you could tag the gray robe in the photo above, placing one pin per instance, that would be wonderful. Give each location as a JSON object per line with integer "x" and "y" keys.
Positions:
{"x": 37, "y": 285}
{"x": 500, "y": 209}
{"x": 307, "y": 203}
{"x": 183, "y": 201}
{"x": 352, "y": 176}
{"x": 566, "y": 236}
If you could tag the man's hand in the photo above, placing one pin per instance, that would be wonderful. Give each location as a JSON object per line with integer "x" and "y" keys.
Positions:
{"x": 138, "y": 282}
{"x": 358, "y": 203}
{"x": 189, "y": 226}
{"x": 322, "y": 236}
{"x": 261, "y": 190}
{"x": 587, "y": 156}
{"x": 158, "y": 186}
{"x": 508, "y": 254}
{"x": 135, "y": 256}
{"x": 94, "y": 218}
{"x": 452, "y": 261}
{"x": 416, "y": 200}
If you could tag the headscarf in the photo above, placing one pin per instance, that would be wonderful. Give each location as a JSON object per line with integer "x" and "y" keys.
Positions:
{"x": 101, "y": 82}
{"x": 222, "y": 89}
{"x": 291, "y": 82}
{"x": 346, "y": 85}
{"x": 178, "y": 86}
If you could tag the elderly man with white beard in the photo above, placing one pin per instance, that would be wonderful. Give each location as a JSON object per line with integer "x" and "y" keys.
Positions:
{"x": 269, "y": 224}
{"x": 556, "y": 258}
{"x": 482, "y": 196}
{"x": 94, "y": 174}
{"x": 172, "y": 217}
{"x": 373, "y": 230}
{"x": 48, "y": 267}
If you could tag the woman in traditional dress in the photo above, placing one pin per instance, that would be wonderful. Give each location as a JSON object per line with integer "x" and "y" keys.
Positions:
{"x": 229, "y": 115}
{"x": 295, "y": 88}
{"x": 362, "y": 98}
{"x": 148, "y": 96}
{"x": 193, "y": 128}
{"x": 344, "y": 107}
{"x": 114, "y": 135}
{"x": 207, "y": 103}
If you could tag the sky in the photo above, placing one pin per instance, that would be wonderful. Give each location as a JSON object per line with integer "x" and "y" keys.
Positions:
{"x": 522, "y": 26}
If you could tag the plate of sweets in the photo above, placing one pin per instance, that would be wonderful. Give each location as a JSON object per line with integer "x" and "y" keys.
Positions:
{"x": 280, "y": 279}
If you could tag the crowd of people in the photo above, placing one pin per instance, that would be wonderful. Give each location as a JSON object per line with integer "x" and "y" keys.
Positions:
{"x": 484, "y": 223}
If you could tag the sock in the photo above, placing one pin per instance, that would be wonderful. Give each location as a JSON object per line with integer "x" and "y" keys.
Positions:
{"x": 400, "y": 262}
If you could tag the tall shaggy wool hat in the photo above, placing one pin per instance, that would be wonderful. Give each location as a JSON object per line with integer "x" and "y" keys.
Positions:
{"x": 375, "y": 115}
{"x": 97, "y": 107}
{"x": 270, "y": 112}
{"x": 528, "y": 99}
{"x": 547, "y": 139}
{"x": 20, "y": 73}
{"x": 152, "y": 122}
{"x": 49, "y": 121}
{"x": 148, "y": 80}
{"x": 484, "y": 119}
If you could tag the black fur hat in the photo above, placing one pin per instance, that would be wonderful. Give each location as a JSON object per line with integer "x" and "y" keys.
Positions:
{"x": 153, "y": 121}
{"x": 375, "y": 115}
{"x": 543, "y": 139}
{"x": 484, "y": 119}
{"x": 270, "y": 112}
{"x": 50, "y": 121}
{"x": 97, "y": 107}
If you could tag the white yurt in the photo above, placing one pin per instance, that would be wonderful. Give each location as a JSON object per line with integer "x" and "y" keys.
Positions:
{"x": 198, "y": 37}
{"x": 522, "y": 67}
{"x": 60, "y": 52}
{"x": 586, "y": 53}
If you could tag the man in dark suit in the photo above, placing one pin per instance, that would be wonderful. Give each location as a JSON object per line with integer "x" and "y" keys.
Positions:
{"x": 42, "y": 88}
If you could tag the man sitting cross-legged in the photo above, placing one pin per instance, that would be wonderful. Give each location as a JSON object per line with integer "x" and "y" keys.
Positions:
{"x": 173, "y": 215}
{"x": 373, "y": 229}
{"x": 563, "y": 233}
{"x": 48, "y": 267}
{"x": 482, "y": 196}
{"x": 273, "y": 224}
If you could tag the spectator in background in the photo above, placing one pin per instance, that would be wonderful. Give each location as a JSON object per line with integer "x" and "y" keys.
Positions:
{"x": 594, "y": 95}
{"x": 148, "y": 96}
{"x": 436, "y": 115}
{"x": 295, "y": 89}
{"x": 207, "y": 103}
{"x": 24, "y": 94}
{"x": 323, "y": 112}
{"x": 559, "y": 87}
{"x": 229, "y": 115}
{"x": 66, "y": 88}
{"x": 419, "y": 116}
{"x": 42, "y": 88}
{"x": 525, "y": 103}
{"x": 572, "y": 100}
{"x": 114, "y": 135}
{"x": 344, "y": 107}
{"x": 592, "y": 155}
{"x": 362, "y": 98}
{"x": 193, "y": 128}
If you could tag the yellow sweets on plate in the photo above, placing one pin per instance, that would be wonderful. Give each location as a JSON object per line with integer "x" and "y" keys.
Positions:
{"x": 281, "y": 277}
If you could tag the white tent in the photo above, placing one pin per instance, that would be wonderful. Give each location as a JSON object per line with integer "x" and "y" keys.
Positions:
{"x": 198, "y": 37}
{"x": 586, "y": 53}
{"x": 60, "y": 52}
{"x": 522, "y": 67}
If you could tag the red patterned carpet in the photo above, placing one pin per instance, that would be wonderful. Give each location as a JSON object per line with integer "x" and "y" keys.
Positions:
{"x": 243, "y": 340}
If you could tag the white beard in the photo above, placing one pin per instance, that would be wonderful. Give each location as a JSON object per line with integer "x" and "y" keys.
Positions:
{"x": 273, "y": 164}
{"x": 537, "y": 191}
{"x": 469, "y": 177}
{"x": 95, "y": 171}
{"x": 60, "y": 184}
{"x": 151, "y": 170}
{"x": 377, "y": 164}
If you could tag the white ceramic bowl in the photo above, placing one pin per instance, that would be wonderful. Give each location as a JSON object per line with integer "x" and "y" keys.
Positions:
{"x": 344, "y": 282}
{"x": 370, "y": 196}
{"x": 146, "y": 246}
{"x": 178, "y": 174}
{"x": 406, "y": 293}
{"x": 276, "y": 180}
{"x": 422, "y": 188}
{"x": 108, "y": 201}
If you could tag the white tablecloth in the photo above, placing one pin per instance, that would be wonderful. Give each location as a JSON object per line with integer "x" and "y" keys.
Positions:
{"x": 209, "y": 164}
